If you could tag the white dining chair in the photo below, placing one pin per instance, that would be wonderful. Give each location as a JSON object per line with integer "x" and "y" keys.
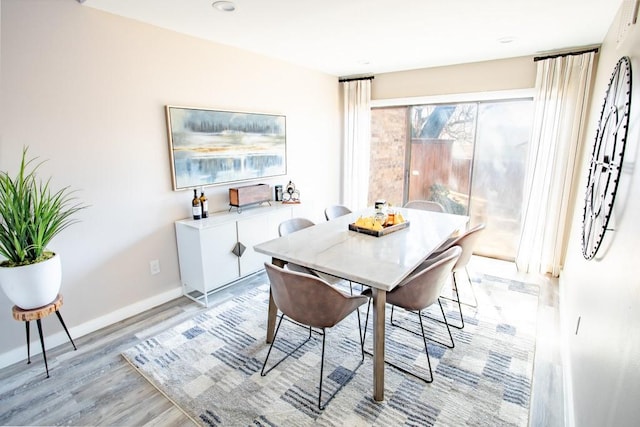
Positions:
{"x": 336, "y": 211}
{"x": 425, "y": 205}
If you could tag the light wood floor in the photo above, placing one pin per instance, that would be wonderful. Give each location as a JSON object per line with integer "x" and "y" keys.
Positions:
{"x": 95, "y": 386}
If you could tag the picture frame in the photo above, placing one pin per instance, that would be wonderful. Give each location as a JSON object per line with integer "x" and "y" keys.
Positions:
{"x": 213, "y": 147}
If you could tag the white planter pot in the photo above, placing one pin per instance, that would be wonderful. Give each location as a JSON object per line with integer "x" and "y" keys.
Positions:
{"x": 32, "y": 286}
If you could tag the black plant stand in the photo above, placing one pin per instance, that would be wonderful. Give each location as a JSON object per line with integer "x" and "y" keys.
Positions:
{"x": 37, "y": 314}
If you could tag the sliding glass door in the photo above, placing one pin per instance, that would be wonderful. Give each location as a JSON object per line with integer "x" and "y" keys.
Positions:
{"x": 441, "y": 153}
{"x": 469, "y": 157}
{"x": 502, "y": 142}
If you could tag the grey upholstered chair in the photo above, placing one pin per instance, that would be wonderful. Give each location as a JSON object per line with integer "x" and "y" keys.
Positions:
{"x": 420, "y": 290}
{"x": 425, "y": 205}
{"x": 295, "y": 224}
{"x": 466, "y": 241}
{"x": 310, "y": 301}
{"x": 336, "y": 211}
{"x": 290, "y": 226}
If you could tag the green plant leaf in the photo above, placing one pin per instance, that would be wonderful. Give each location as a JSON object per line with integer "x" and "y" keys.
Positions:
{"x": 30, "y": 214}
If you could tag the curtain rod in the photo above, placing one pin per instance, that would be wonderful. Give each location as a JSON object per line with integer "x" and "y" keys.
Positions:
{"x": 348, "y": 79}
{"x": 557, "y": 55}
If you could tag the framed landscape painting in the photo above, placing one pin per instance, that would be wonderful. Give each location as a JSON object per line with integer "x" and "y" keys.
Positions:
{"x": 211, "y": 147}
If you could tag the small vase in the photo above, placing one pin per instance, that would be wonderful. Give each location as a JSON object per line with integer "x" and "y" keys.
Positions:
{"x": 32, "y": 286}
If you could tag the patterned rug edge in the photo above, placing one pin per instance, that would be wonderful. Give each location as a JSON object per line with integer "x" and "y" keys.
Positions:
{"x": 147, "y": 379}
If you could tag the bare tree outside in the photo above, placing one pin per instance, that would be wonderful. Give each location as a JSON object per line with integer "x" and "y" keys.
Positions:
{"x": 469, "y": 157}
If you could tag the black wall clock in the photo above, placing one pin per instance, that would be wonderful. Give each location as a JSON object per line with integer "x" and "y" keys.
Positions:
{"x": 606, "y": 158}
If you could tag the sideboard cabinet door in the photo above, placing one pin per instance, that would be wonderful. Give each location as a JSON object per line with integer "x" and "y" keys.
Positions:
{"x": 220, "y": 264}
{"x": 255, "y": 230}
{"x": 205, "y": 258}
{"x": 217, "y": 251}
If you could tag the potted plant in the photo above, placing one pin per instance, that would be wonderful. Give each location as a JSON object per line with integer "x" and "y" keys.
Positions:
{"x": 31, "y": 214}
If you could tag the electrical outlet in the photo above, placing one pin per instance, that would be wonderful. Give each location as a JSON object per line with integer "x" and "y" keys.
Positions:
{"x": 154, "y": 267}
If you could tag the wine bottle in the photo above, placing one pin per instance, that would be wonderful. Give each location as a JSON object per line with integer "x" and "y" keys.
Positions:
{"x": 195, "y": 205}
{"x": 204, "y": 204}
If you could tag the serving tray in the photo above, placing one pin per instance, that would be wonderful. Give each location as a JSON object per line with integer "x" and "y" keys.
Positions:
{"x": 378, "y": 233}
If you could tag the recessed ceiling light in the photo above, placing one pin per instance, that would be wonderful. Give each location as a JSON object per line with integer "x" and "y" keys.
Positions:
{"x": 506, "y": 40}
{"x": 224, "y": 6}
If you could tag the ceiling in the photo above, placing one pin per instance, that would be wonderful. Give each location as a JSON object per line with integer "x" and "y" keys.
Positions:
{"x": 355, "y": 37}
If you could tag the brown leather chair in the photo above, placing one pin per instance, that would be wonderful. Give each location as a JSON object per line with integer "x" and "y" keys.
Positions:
{"x": 467, "y": 242}
{"x": 310, "y": 301}
{"x": 336, "y": 211}
{"x": 425, "y": 205}
{"x": 419, "y": 291}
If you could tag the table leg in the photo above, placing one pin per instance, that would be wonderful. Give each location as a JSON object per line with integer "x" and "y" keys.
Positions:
{"x": 379, "y": 302}
{"x": 273, "y": 309}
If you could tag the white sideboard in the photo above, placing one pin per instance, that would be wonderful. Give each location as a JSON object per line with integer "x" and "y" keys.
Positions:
{"x": 216, "y": 251}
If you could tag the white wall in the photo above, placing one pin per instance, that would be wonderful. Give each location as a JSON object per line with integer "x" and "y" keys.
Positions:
{"x": 487, "y": 76}
{"x": 87, "y": 90}
{"x": 604, "y": 356}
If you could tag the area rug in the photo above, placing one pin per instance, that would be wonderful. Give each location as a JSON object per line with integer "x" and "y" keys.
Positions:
{"x": 210, "y": 366}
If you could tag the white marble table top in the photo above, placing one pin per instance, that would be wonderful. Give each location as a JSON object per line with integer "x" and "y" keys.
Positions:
{"x": 380, "y": 262}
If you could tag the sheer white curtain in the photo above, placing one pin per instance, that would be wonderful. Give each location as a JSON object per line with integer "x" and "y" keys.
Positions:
{"x": 357, "y": 142}
{"x": 562, "y": 92}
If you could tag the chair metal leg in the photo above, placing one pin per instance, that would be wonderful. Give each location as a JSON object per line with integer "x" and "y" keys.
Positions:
{"x": 451, "y": 344}
{"x": 456, "y": 300}
{"x": 66, "y": 330}
{"x": 44, "y": 353}
{"x": 446, "y": 324}
{"x": 366, "y": 322}
{"x": 426, "y": 349}
{"x": 473, "y": 291}
{"x": 424, "y": 338}
{"x": 360, "y": 329}
{"x": 321, "y": 374}
{"x": 321, "y": 406}
{"x": 263, "y": 372}
{"x": 361, "y": 335}
{"x": 457, "y": 297}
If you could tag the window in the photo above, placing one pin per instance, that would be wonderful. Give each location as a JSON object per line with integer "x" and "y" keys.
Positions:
{"x": 468, "y": 156}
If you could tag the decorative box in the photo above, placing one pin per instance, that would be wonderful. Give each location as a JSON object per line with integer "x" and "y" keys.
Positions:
{"x": 249, "y": 195}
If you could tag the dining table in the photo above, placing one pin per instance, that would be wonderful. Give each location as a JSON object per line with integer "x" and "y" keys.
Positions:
{"x": 378, "y": 262}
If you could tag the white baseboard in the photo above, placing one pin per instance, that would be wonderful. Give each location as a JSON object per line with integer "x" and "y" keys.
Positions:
{"x": 18, "y": 354}
{"x": 567, "y": 384}
{"x": 565, "y": 355}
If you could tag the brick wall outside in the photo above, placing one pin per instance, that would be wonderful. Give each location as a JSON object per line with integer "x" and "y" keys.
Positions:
{"x": 388, "y": 146}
